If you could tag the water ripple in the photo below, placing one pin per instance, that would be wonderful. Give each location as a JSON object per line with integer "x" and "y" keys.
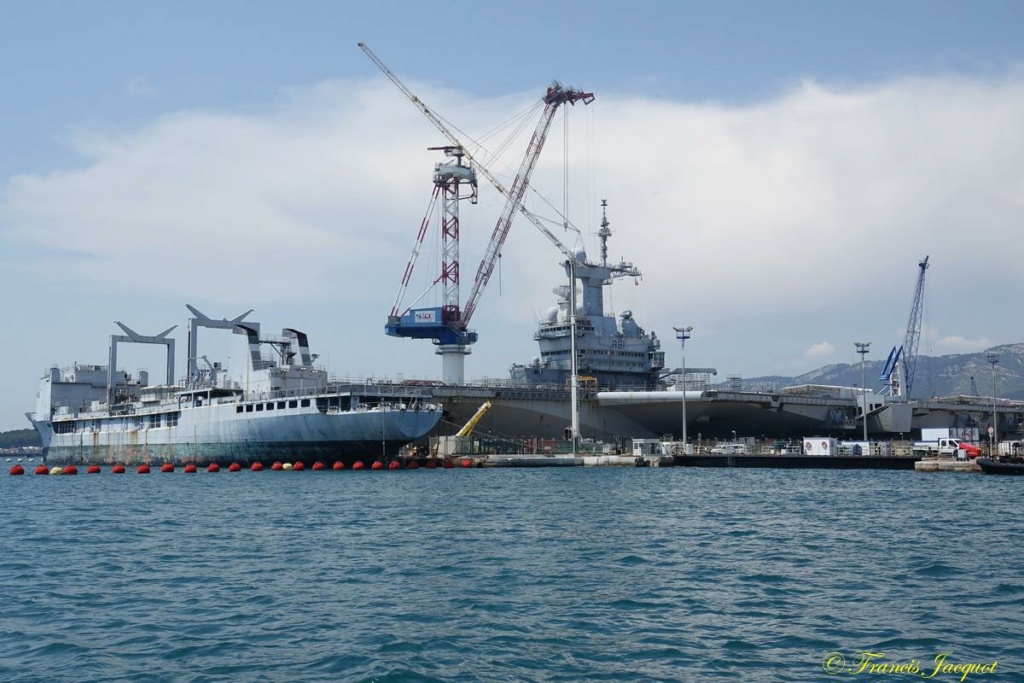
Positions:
{"x": 498, "y": 575}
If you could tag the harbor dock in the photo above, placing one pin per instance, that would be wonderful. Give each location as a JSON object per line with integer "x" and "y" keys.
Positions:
{"x": 946, "y": 465}
{"x": 823, "y": 462}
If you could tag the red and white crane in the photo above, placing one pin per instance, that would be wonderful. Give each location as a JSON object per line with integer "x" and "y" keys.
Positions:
{"x": 448, "y": 327}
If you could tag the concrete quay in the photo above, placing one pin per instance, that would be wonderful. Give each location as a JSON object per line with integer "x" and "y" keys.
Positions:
{"x": 946, "y": 465}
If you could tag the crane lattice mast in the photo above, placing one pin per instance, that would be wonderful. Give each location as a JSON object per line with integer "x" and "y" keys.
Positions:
{"x": 449, "y": 177}
{"x": 914, "y": 328}
{"x": 902, "y": 362}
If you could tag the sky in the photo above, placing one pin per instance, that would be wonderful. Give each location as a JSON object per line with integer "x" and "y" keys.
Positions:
{"x": 775, "y": 170}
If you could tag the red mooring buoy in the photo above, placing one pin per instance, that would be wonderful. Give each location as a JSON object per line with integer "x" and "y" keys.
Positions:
{"x": 338, "y": 465}
{"x": 318, "y": 466}
{"x": 167, "y": 467}
{"x": 413, "y": 465}
{"x": 213, "y": 467}
{"x": 190, "y": 468}
{"x": 431, "y": 464}
{"x": 92, "y": 469}
{"x": 357, "y": 465}
{"x": 143, "y": 469}
{"x": 298, "y": 466}
{"x": 447, "y": 464}
{"x": 117, "y": 469}
{"x": 70, "y": 469}
{"x": 277, "y": 466}
{"x": 395, "y": 465}
{"x": 17, "y": 470}
{"x": 256, "y": 467}
{"x": 465, "y": 462}
{"x": 41, "y": 469}
{"x": 234, "y": 467}
{"x": 377, "y": 465}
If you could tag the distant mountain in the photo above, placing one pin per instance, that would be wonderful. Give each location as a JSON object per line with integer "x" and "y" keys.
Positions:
{"x": 936, "y": 376}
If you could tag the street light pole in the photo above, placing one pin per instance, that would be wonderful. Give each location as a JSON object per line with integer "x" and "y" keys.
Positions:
{"x": 993, "y": 358}
{"x": 862, "y": 349}
{"x": 682, "y": 334}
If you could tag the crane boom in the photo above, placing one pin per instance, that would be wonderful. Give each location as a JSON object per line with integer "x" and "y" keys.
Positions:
{"x": 555, "y": 96}
{"x": 415, "y": 100}
{"x": 467, "y": 428}
{"x": 914, "y": 328}
{"x": 899, "y": 369}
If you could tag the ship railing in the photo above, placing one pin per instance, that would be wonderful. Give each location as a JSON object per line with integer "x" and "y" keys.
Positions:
{"x": 356, "y": 387}
{"x": 519, "y": 392}
{"x": 402, "y": 385}
{"x": 380, "y": 389}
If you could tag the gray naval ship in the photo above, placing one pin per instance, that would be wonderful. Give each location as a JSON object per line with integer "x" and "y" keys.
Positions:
{"x": 626, "y": 391}
{"x": 268, "y": 405}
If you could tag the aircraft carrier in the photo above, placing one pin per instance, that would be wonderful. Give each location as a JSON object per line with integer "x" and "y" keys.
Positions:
{"x": 627, "y": 392}
{"x": 611, "y": 415}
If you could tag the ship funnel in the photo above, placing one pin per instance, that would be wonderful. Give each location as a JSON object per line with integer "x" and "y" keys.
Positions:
{"x": 302, "y": 341}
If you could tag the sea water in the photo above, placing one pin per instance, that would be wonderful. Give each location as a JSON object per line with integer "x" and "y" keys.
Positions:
{"x": 615, "y": 574}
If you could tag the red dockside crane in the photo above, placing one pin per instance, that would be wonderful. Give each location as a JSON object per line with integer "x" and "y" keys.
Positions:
{"x": 448, "y": 326}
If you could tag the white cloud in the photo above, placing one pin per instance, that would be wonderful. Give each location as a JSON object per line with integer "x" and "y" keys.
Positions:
{"x": 765, "y": 226}
{"x": 820, "y": 349}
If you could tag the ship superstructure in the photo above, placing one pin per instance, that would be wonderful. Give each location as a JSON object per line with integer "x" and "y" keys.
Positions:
{"x": 611, "y": 351}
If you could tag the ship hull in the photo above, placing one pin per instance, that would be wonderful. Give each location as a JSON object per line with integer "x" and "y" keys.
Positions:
{"x": 215, "y": 434}
{"x": 529, "y": 417}
{"x": 620, "y": 416}
{"x": 990, "y": 466}
{"x": 613, "y": 416}
{"x": 532, "y": 413}
{"x": 718, "y": 417}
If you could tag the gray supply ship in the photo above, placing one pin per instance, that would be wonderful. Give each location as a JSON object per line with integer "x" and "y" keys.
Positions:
{"x": 275, "y": 406}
